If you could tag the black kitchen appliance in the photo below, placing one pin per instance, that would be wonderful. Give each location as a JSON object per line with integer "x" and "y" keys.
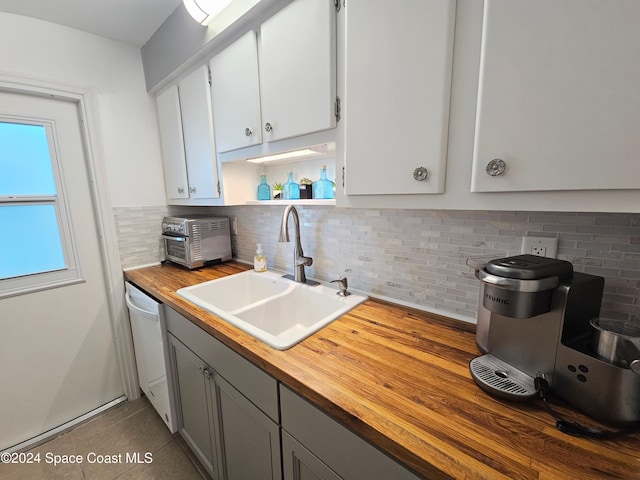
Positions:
{"x": 534, "y": 321}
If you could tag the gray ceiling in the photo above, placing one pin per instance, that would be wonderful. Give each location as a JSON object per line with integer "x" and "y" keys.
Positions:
{"x": 129, "y": 21}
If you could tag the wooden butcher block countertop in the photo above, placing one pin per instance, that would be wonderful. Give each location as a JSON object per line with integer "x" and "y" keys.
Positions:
{"x": 399, "y": 378}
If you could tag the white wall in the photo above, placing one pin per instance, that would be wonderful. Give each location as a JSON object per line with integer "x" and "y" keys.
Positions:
{"x": 127, "y": 120}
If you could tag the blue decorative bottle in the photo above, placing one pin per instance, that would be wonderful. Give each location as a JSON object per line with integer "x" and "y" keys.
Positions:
{"x": 290, "y": 190}
{"x": 264, "y": 190}
{"x": 323, "y": 188}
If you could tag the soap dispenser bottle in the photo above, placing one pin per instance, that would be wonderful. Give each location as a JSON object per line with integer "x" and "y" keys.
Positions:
{"x": 260, "y": 260}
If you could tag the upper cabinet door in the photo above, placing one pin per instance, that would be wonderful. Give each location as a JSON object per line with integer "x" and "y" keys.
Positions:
{"x": 558, "y": 102}
{"x": 298, "y": 69}
{"x": 235, "y": 86}
{"x": 396, "y": 106}
{"x": 197, "y": 127}
{"x": 172, "y": 143}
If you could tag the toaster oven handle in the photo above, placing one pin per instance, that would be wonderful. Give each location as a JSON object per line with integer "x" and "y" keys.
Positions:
{"x": 171, "y": 237}
{"x": 516, "y": 284}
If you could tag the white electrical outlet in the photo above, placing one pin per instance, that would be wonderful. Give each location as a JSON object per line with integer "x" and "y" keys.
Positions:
{"x": 541, "y": 246}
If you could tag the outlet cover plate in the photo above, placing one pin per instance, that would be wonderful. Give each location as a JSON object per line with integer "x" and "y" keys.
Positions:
{"x": 541, "y": 246}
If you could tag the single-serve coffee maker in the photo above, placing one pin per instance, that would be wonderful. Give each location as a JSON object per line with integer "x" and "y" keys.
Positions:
{"x": 534, "y": 319}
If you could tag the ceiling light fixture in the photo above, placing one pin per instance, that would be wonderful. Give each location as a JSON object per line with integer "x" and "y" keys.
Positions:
{"x": 203, "y": 11}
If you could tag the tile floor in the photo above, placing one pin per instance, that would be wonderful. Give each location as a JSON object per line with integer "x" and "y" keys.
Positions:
{"x": 132, "y": 428}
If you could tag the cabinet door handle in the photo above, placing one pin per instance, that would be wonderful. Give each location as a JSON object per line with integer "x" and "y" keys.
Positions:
{"x": 420, "y": 174}
{"x": 192, "y": 189}
{"x": 268, "y": 127}
{"x": 180, "y": 190}
{"x": 496, "y": 167}
{"x": 248, "y": 132}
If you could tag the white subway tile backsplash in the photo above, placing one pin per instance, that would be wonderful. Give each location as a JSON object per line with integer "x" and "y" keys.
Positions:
{"x": 414, "y": 256}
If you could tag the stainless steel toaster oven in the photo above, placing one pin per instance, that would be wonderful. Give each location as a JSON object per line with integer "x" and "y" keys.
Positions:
{"x": 195, "y": 241}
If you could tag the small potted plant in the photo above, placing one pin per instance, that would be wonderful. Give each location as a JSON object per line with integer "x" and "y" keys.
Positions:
{"x": 277, "y": 190}
{"x": 306, "y": 188}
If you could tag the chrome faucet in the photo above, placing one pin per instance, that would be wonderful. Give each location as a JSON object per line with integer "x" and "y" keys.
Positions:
{"x": 299, "y": 260}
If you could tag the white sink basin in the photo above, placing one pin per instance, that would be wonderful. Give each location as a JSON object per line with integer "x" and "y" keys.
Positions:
{"x": 235, "y": 292}
{"x": 275, "y": 310}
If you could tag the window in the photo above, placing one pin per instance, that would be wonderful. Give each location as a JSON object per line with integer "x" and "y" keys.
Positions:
{"x": 35, "y": 247}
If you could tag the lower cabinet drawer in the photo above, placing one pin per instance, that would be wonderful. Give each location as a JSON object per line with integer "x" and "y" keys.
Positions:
{"x": 342, "y": 451}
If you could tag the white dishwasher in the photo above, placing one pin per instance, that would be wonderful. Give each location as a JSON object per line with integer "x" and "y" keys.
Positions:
{"x": 149, "y": 331}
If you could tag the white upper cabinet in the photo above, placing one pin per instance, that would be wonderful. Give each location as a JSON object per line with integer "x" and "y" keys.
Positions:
{"x": 172, "y": 143}
{"x": 398, "y": 66}
{"x": 278, "y": 83}
{"x": 197, "y": 128}
{"x": 298, "y": 69}
{"x": 186, "y": 135}
{"x": 236, "y": 92}
{"x": 559, "y": 99}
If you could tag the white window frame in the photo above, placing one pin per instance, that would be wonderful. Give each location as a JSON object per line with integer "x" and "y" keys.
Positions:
{"x": 71, "y": 273}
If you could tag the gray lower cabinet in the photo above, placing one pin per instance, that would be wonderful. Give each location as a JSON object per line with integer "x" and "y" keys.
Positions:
{"x": 314, "y": 446}
{"x": 249, "y": 440}
{"x": 231, "y": 422}
{"x": 194, "y": 415}
{"x": 244, "y": 426}
{"x": 300, "y": 464}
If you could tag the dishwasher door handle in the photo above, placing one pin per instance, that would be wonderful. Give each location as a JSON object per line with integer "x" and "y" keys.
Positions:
{"x": 140, "y": 311}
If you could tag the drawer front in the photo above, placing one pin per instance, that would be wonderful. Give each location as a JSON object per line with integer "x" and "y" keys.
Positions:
{"x": 343, "y": 451}
{"x": 255, "y": 384}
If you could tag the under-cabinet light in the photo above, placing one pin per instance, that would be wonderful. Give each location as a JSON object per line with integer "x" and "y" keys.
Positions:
{"x": 203, "y": 11}
{"x": 306, "y": 152}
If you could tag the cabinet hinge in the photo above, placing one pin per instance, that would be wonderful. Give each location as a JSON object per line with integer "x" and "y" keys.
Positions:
{"x": 338, "y": 4}
{"x": 209, "y": 75}
{"x": 337, "y": 109}
{"x": 343, "y": 177}
{"x": 219, "y": 191}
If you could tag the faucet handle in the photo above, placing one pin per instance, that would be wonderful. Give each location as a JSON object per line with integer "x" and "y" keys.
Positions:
{"x": 306, "y": 261}
{"x": 343, "y": 292}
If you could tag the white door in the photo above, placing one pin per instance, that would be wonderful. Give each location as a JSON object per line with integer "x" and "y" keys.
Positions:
{"x": 57, "y": 348}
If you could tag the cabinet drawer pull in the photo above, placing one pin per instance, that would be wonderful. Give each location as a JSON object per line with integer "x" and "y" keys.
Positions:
{"x": 268, "y": 127}
{"x": 496, "y": 167}
{"x": 420, "y": 174}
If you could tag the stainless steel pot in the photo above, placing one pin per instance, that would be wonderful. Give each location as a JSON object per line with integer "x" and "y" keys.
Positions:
{"x": 617, "y": 342}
